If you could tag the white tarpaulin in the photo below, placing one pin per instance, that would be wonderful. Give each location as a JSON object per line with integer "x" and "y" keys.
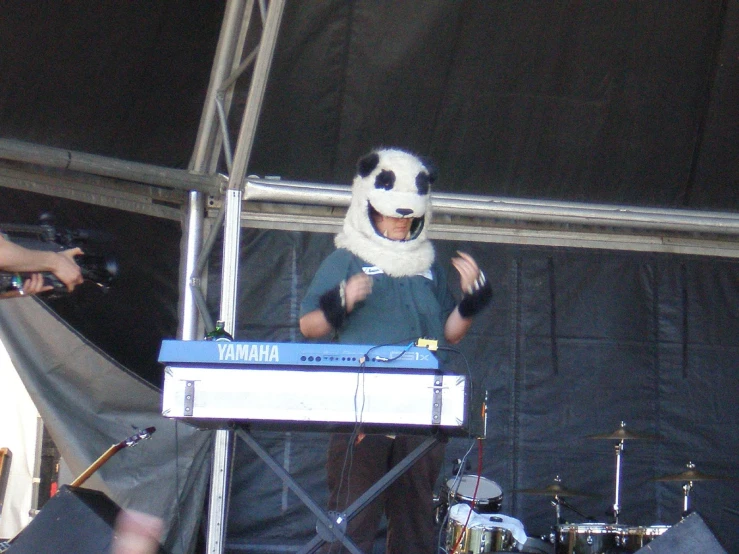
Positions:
{"x": 18, "y": 433}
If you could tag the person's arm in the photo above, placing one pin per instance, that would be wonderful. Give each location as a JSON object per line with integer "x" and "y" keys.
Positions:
{"x": 314, "y": 325}
{"x": 15, "y": 258}
{"x": 336, "y": 304}
{"x": 456, "y": 327}
{"x": 476, "y": 295}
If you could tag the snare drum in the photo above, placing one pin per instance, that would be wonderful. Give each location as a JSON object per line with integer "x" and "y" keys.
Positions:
{"x": 476, "y": 540}
{"x": 590, "y": 538}
{"x": 488, "y": 499}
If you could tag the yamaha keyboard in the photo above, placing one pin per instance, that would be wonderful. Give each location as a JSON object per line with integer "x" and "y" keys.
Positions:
{"x": 293, "y": 386}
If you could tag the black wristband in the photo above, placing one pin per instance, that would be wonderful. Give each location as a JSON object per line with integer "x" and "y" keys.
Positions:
{"x": 473, "y": 302}
{"x": 333, "y": 305}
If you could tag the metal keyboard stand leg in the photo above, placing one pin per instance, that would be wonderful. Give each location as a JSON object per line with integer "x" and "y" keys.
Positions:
{"x": 358, "y": 505}
{"x": 297, "y": 489}
{"x": 374, "y": 491}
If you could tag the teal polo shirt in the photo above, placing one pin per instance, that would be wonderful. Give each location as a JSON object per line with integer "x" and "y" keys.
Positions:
{"x": 399, "y": 309}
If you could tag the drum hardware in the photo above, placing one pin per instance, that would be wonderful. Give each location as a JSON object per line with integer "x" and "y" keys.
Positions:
{"x": 471, "y": 533}
{"x": 687, "y": 477}
{"x": 440, "y": 509}
{"x": 620, "y": 434}
{"x": 558, "y": 492}
{"x": 483, "y": 495}
{"x": 600, "y": 538}
{"x": 536, "y": 545}
{"x": 623, "y": 434}
{"x": 457, "y": 466}
{"x": 477, "y": 540}
{"x": 557, "y": 502}
{"x": 586, "y": 538}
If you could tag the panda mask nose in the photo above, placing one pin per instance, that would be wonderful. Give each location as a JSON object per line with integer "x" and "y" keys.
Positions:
{"x": 403, "y": 211}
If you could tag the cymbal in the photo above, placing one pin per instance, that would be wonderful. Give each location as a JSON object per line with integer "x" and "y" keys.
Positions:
{"x": 554, "y": 490}
{"x": 690, "y": 475}
{"x": 622, "y": 434}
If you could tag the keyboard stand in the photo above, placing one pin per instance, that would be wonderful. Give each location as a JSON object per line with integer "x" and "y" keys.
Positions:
{"x": 332, "y": 529}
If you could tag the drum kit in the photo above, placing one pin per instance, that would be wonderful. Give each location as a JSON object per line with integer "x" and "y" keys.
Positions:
{"x": 474, "y": 524}
{"x": 474, "y": 521}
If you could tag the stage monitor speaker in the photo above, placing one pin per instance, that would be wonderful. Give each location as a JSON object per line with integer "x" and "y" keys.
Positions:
{"x": 689, "y": 536}
{"x": 74, "y": 520}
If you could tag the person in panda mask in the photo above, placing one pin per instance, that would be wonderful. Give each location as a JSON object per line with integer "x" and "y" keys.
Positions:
{"x": 382, "y": 285}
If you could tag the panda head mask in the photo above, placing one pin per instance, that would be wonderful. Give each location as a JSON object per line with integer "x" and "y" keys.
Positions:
{"x": 392, "y": 183}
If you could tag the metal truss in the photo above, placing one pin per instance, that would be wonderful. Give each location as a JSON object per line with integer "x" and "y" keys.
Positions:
{"x": 315, "y": 207}
{"x": 229, "y": 67}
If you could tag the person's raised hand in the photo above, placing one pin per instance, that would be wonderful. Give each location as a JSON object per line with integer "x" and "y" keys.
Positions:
{"x": 357, "y": 288}
{"x": 66, "y": 269}
{"x": 468, "y": 270}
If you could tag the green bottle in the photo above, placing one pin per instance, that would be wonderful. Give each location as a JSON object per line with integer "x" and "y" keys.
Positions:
{"x": 219, "y": 333}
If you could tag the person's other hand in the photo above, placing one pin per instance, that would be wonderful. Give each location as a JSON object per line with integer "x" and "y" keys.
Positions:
{"x": 66, "y": 269}
{"x": 35, "y": 284}
{"x": 357, "y": 288}
{"x": 468, "y": 271}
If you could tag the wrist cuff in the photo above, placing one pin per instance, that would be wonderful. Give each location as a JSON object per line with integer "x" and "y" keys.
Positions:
{"x": 333, "y": 305}
{"x": 477, "y": 298}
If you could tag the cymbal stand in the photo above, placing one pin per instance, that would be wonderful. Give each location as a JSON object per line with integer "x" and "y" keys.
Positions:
{"x": 558, "y": 502}
{"x": 558, "y": 509}
{"x": 616, "y": 505}
{"x": 687, "y": 488}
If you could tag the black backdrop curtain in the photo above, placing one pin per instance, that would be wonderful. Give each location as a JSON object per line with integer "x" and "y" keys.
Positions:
{"x": 575, "y": 342}
{"x": 629, "y": 103}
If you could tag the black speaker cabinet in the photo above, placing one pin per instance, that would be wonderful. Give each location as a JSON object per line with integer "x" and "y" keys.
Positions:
{"x": 74, "y": 520}
{"x": 689, "y": 536}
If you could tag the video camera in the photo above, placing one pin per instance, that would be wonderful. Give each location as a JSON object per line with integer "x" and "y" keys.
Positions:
{"x": 99, "y": 269}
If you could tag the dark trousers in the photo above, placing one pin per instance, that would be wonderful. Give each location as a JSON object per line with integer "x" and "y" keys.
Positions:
{"x": 408, "y": 502}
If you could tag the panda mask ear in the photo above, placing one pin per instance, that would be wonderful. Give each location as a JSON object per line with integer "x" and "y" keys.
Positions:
{"x": 433, "y": 171}
{"x": 367, "y": 164}
{"x": 424, "y": 182}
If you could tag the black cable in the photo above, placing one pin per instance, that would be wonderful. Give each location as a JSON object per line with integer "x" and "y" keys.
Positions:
{"x": 457, "y": 477}
{"x": 346, "y": 467}
{"x": 388, "y": 360}
{"x": 358, "y": 414}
